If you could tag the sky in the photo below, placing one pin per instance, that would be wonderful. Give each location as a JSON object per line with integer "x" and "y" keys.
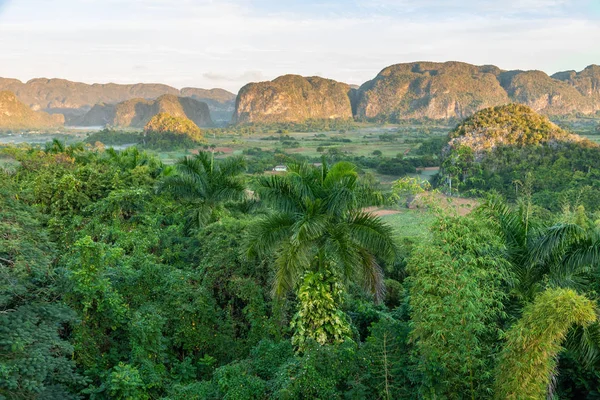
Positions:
{"x": 228, "y": 43}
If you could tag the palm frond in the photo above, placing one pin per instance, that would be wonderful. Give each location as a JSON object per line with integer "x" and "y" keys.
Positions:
{"x": 372, "y": 234}
{"x": 585, "y": 342}
{"x": 292, "y": 261}
{"x": 277, "y": 192}
{"x": 182, "y": 186}
{"x": 269, "y": 232}
{"x": 371, "y": 275}
{"x": 555, "y": 241}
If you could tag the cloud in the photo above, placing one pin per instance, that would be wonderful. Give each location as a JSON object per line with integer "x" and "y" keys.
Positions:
{"x": 248, "y": 76}
{"x": 229, "y": 43}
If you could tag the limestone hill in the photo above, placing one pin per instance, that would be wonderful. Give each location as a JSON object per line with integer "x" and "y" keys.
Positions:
{"x": 512, "y": 125}
{"x": 16, "y": 115}
{"x": 293, "y": 98}
{"x": 457, "y": 90}
{"x": 430, "y": 90}
{"x": 73, "y": 99}
{"x": 137, "y": 112}
{"x": 420, "y": 90}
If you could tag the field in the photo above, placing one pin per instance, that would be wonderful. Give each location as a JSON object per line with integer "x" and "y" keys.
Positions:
{"x": 415, "y": 222}
{"x": 364, "y": 140}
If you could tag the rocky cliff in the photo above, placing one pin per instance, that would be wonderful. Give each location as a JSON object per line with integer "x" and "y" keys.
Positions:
{"x": 430, "y": 90}
{"x": 221, "y": 103}
{"x": 587, "y": 82}
{"x": 293, "y": 98}
{"x": 137, "y": 113}
{"x": 73, "y": 99}
{"x": 16, "y": 115}
{"x": 420, "y": 90}
{"x": 545, "y": 94}
{"x": 457, "y": 90}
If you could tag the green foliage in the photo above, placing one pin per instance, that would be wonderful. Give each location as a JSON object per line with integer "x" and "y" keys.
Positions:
{"x": 407, "y": 188}
{"x": 100, "y": 278}
{"x": 205, "y": 185}
{"x": 125, "y": 383}
{"x": 35, "y": 355}
{"x": 386, "y": 353}
{"x": 528, "y": 360}
{"x": 455, "y": 287}
{"x": 110, "y": 137}
{"x": 319, "y": 316}
{"x": 319, "y": 224}
{"x": 511, "y": 124}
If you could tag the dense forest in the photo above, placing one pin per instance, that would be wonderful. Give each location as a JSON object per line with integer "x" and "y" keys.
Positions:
{"x": 125, "y": 278}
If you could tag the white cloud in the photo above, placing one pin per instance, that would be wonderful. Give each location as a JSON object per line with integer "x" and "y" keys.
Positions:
{"x": 206, "y": 43}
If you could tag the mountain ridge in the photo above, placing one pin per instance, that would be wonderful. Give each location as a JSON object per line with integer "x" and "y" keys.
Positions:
{"x": 431, "y": 90}
{"x": 16, "y": 115}
{"x": 73, "y": 99}
{"x": 137, "y": 112}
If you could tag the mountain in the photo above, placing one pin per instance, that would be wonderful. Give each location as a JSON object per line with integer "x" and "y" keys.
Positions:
{"x": 456, "y": 90}
{"x": 587, "y": 82}
{"x": 420, "y": 90}
{"x": 137, "y": 113}
{"x": 293, "y": 98}
{"x": 544, "y": 93}
{"x": 430, "y": 90}
{"x": 73, "y": 99}
{"x": 166, "y": 123}
{"x": 221, "y": 103}
{"x": 507, "y": 125}
{"x": 16, "y": 115}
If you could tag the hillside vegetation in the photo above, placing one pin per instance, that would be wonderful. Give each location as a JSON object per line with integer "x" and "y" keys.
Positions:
{"x": 509, "y": 125}
{"x": 16, "y": 115}
{"x": 511, "y": 149}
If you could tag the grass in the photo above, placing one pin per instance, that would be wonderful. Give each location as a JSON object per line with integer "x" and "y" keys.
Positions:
{"x": 410, "y": 223}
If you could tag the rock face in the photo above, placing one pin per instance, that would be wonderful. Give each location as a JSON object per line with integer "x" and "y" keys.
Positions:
{"x": 545, "y": 94}
{"x": 16, "y": 115}
{"x": 456, "y": 90}
{"x": 430, "y": 90}
{"x": 293, "y": 98}
{"x": 221, "y": 103}
{"x": 587, "y": 82}
{"x": 137, "y": 113}
{"x": 73, "y": 99}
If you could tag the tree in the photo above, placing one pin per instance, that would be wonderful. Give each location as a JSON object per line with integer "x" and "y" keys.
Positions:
{"x": 323, "y": 238}
{"x": 205, "y": 185}
{"x": 407, "y": 188}
{"x": 529, "y": 358}
{"x": 35, "y": 357}
{"x": 456, "y": 299}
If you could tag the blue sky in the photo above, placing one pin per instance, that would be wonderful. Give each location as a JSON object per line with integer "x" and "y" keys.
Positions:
{"x": 227, "y": 43}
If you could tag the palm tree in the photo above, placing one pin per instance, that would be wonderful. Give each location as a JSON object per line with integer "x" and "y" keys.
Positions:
{"x": 54, "y": 147}
{"x": 560, "y": 256}
{"x": 205, "y": 185}
{"x": 520, "y": 235}
{"x": 322, "y": 239}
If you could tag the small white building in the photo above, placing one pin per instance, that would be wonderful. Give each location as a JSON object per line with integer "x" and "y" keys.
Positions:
{"x": 280, "y": 168}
